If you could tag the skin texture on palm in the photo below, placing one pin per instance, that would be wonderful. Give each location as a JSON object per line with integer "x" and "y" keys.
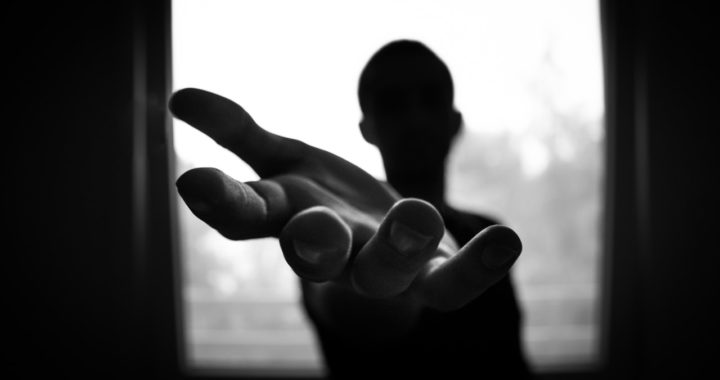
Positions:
{"x": 352, "y": 238}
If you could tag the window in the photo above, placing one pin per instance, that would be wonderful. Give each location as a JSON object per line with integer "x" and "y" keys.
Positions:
{"x": 528, "y": 79}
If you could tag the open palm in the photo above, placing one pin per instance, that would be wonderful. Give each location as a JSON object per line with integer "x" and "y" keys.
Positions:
{"x": 350, "y": 236}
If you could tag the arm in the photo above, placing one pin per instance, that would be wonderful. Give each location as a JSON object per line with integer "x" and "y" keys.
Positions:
{"x": 348, "y": 236}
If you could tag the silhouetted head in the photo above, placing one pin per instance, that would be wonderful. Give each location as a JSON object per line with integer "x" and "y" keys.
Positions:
{"x": 406, "y": 96}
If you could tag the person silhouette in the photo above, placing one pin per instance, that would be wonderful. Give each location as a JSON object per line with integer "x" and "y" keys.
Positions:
{"x": 395, "y": 281}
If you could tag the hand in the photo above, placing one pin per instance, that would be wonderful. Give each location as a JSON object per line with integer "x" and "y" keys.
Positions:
{"x": 349, "y": 235}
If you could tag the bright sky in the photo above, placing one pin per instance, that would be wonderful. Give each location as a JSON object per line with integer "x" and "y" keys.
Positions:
{"x": 294, "y": 65}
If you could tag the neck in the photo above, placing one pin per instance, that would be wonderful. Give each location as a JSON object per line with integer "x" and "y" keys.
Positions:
{"x": 428, "y": 186}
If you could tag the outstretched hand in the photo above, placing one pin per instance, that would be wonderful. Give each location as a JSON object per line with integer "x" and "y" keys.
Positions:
{"x": 338, "y": 226}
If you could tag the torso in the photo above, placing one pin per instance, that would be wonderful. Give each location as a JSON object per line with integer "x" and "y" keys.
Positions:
{"x": 482, "y": 338}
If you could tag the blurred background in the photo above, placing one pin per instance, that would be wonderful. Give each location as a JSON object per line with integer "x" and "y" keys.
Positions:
{"x": 529, "y": 82}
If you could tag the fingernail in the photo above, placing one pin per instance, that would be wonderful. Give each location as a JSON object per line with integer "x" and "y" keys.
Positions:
{"x": 498, "y": 257}
{"x": 311, "y": 252}
{"x": 407, "y": 240}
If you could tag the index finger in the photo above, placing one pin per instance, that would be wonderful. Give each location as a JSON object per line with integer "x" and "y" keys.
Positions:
{"x": 231, "y": 126}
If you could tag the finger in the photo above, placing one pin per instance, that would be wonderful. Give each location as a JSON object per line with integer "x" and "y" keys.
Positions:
{"x": 237, "y": 210}
{"x": 316, "y": 244}
{"x": 406, "y": 239}
{"x": 451, "y": 283}
{"x": 232, "y": 127}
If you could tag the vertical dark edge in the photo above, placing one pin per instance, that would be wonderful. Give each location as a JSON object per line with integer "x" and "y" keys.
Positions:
{"x": 607, "y": 34}
{"x": 154, "y": 229}
{"x": 622, "y": 309}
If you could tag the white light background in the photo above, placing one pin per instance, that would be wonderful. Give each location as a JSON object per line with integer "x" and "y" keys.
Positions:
{"x": 294, "y": 66}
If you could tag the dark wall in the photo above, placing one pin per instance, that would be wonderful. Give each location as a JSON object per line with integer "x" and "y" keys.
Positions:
{"x": 662, "y": 102}
{"x": 81, "y": 302}
{"x": 680, "y": 261}
{"x": 90, "y": 291}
